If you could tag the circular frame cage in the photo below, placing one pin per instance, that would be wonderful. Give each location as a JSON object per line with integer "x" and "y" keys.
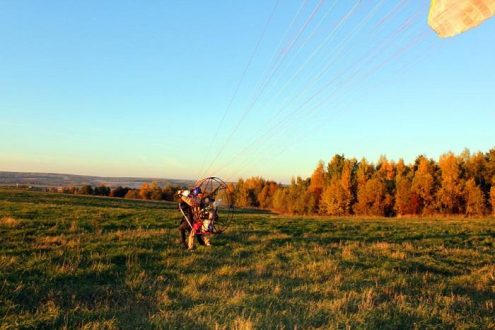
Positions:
{"x": 217, "y": 189}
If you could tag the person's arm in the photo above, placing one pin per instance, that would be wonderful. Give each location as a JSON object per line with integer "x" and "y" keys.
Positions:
{"x": 188, "y": 200}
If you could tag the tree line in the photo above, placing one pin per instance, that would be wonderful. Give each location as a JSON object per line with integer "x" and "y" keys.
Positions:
{"x": 461, "y": 184}
{"x": 145, "y": 192}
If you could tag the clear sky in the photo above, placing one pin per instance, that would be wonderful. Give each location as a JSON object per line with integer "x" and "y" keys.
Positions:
{"x": 142, "y": 88}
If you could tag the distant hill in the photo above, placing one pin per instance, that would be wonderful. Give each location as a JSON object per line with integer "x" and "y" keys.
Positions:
{"x": 63, "y": 180}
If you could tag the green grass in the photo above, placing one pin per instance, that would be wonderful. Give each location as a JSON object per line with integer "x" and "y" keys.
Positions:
{"x": 100, "y": 263}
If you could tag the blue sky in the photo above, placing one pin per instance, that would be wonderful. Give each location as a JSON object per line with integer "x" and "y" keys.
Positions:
{"x": 139, "y": 88}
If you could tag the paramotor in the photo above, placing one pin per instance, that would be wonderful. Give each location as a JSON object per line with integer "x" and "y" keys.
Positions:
{"x": 212, "y": 206}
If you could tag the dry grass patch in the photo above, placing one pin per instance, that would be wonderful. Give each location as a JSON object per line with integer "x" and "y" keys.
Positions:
{"x": 243, "y": 324}
{"x": 10, "y": 222}
{"x": 101, "y": 325}
{"x": 73, "y": 227}
{"x": 7, "y": 261}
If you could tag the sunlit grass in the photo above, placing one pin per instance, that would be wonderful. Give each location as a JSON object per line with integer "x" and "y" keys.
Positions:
{"x": 94, "y": 263}
{"x": 9, "y": 222}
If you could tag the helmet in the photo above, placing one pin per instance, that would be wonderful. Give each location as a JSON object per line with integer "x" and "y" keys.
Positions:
{"x": 186, "y": 193}
{"x": 196, "y": 191}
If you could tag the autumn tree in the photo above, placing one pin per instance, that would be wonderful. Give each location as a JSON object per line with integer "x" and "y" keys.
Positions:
{"x": 364, "y": 173}
{"x": 155, "y": 192}
{"x": 132, "y": 194}
{"x": 332, "y": 197}
{"x": 450, "y": 194}
{"x": 475, "y": 199}
{"x": 373, "y": 197}
{"x": 247, "y": 191}
{"x": 280, "y": 199}
{"x": 254, "y": 186}
{"x": 476, "y": 166}
{"x": 70, "y": 190}
{"x": 297, "y": 199}
{"x": 230, "y": 188}
{"x": 454, "y": 185}
{"x": 338, "y": 195}
{"x": 385, "y": 172}
{"x": 490, "y": 166}
{"x": 263, "y": 198}
{"x": 241, "y": 194}
{"x": 403, "y": 184}
{"x": 422, "y": 189}
{"x": 386, "y": 169}
{"x": 492, "y": 198}
{"x": 335, "y": 166}
{"x": 266, "y": 194}
{"x": 317, "y": 184}
{"x": 318, "y": 178}
{"x": 144, "y": 192}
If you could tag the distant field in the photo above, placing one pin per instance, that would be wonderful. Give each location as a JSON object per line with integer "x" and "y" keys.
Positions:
{"x": 98, "y": 263}
{"x": 65, "y": 180}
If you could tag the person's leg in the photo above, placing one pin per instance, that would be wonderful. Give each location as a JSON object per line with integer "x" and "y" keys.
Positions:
{"x": 206, "y": 239}
{"x": 184, "y": 226}
{"x": 190, "y": 244}
{"x": 200, "y": 239}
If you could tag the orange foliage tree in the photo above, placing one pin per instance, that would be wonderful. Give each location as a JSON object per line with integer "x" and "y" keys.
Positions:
{"x": 455, "y": 185}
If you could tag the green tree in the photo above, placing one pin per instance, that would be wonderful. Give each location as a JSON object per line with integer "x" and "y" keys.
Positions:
{"x": 332, "y": 199}
{"x": 169, "y": 192}
{"x": 119, "y": 192}
{"x": 280, "y": 200}
{"x": 296, "y": 197}
{"x": 86, "y": 190}
{"x": 101, "y": 190}
{"x": 372, "y": 198}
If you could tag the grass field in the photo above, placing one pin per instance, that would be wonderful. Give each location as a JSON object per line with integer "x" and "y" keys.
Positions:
{"x": 99, "y": 263}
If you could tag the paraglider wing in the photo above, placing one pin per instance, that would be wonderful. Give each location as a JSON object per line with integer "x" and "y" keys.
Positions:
{"x": 451, "y": 17}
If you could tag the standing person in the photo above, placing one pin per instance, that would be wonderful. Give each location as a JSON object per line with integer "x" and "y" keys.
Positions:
{"x": 191, "y": 220}
{"x": 187, "y": 215}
